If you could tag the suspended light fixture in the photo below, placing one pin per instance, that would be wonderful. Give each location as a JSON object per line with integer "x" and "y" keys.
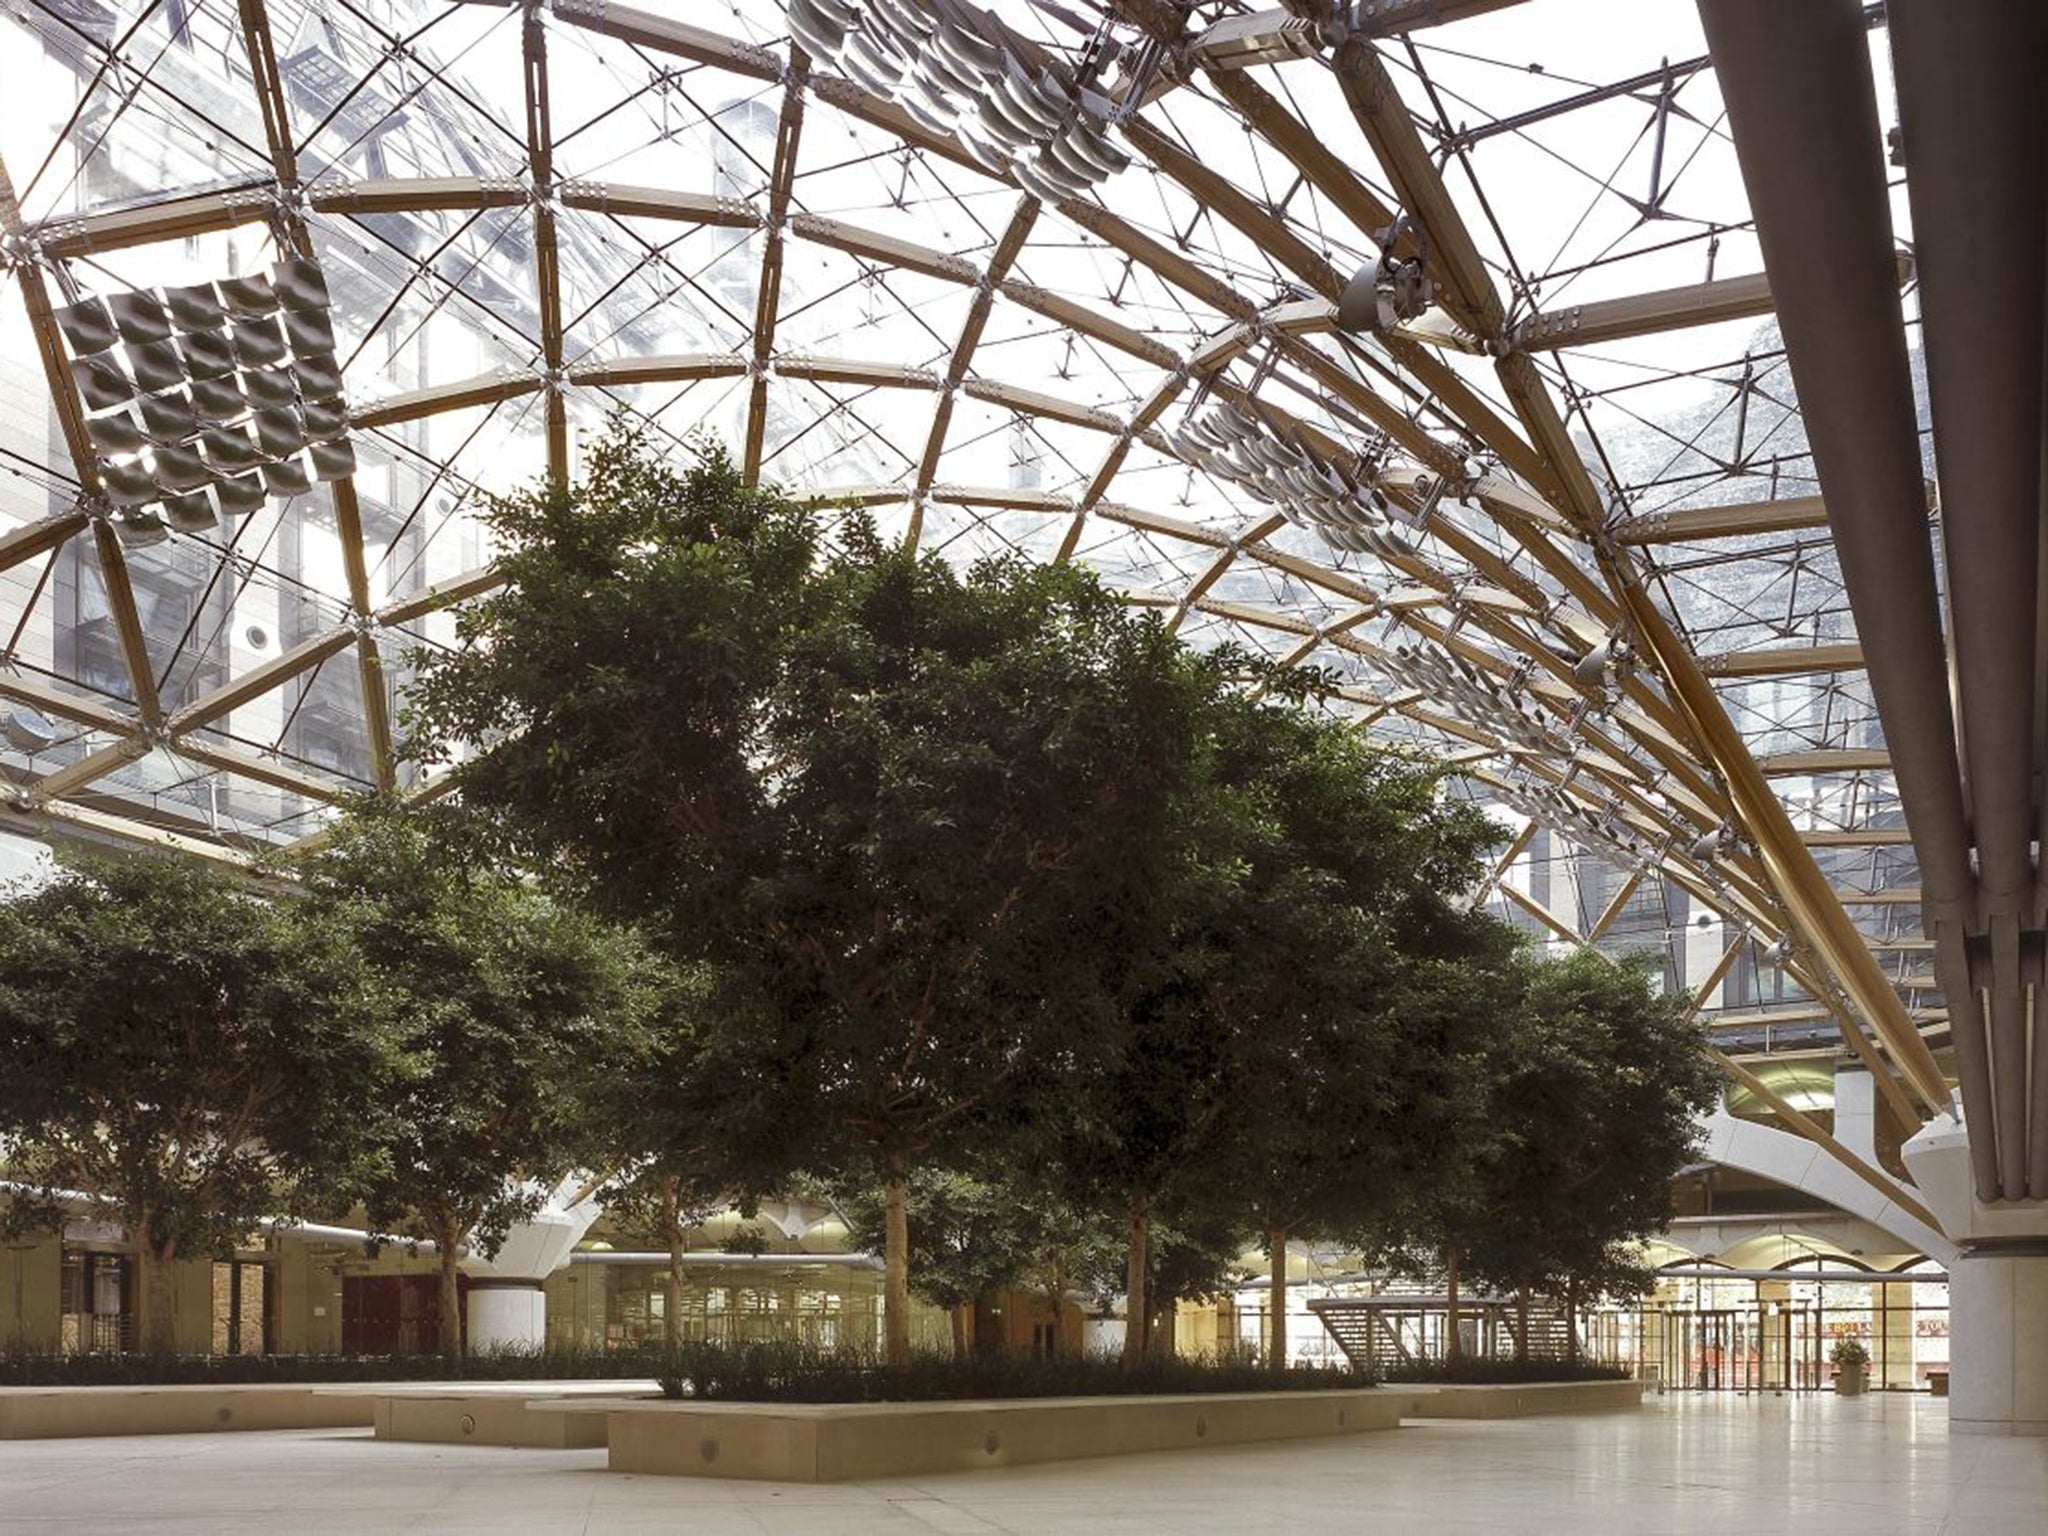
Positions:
{"x": 1708, "y": 849}
{"x": 1342, "y": 501}
{"x": 1474, "y": 696}
{"x": 934, "y": 59}
{"x": 209, "y": 398}
{"x": 27, "y": 730}
{"x": 1601, "y": 670}
{"x": 1603, "y": 830}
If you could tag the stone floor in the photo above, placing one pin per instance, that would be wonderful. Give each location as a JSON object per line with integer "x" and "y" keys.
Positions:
{"x": 1816, "y": 1466}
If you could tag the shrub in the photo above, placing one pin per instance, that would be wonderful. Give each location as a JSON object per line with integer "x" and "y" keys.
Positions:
{"x": 1849, "y": 1354}
{"x": 764, "y": 1372}
{"x": 801, "y": 1373}
{"x": 50, "y": 1368}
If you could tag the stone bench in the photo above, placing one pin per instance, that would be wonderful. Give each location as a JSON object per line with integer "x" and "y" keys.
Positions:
{"x": 44, "y": 1413}
{"x": 521, "y": 1414}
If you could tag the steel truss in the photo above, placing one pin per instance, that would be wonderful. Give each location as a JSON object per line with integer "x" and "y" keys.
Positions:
{"x": 1724, "y": 760}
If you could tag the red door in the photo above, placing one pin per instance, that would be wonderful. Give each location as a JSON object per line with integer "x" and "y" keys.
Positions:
{"x": 392, "y": 1314}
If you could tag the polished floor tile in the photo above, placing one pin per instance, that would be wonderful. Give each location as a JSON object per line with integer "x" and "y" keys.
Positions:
{"x": 1801, "y": 1466}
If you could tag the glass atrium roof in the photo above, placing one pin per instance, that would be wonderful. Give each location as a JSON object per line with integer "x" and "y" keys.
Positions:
{"x": 1057, "y": 276}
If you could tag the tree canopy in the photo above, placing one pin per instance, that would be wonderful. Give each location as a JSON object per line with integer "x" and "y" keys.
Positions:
{"x": 1057, "y": 947}
{"x": 1262, "y": 1056}
{"x": 901, "y": 806}
{"x": 510, "y": 1011}
{"x": 188, "y": 1054}
{"x": 1595, "y": 1084}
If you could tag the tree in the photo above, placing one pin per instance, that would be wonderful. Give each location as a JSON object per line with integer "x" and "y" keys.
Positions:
{"x": 1193, "y": 1253}
{"x": 660, "y": 1197}
{"x": 1596, "y": 1084}
{"x": 1261, "y": 1039}
{"x": 890, "y": 801}
{"x": 1344, "y": 1097}
{"x": 508, "y": 1007}
{"x": 188, "y": 1053}
{"x": 971, "y": 1236}
{"x": 1459, "y": 991}
{"x": 962, "y": 1238}
{"x": 655, "y": 1128}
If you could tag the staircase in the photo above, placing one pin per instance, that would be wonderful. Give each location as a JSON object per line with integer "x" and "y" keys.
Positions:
{"x": 1380, "y": 1334}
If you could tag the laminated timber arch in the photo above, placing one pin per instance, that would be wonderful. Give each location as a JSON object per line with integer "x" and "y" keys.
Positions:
{"x": 1517, "y": 564}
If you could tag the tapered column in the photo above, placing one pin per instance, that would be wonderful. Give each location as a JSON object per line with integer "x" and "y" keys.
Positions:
{"x": 1997, "y": 1292}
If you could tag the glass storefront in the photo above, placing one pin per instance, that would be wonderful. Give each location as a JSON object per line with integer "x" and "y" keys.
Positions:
{"x": 613, "y": 1304}
{"x": 241, "y": 1307}
{"x": 1773, "y": 1331}
{"x": 98, "y": 1291}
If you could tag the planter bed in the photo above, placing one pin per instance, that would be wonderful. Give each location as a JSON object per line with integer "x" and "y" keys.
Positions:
{"x": 834, "y": 1442}
{"x": 432, "y": 1410}
{"x": 796, "y": 1442}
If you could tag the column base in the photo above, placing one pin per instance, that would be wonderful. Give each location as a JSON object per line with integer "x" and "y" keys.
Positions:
{"x": 1998, "y": 1340}
{"x": 507, "y": 1314}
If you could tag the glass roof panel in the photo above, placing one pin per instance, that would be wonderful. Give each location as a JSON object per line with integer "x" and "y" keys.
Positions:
{"x": 990, "y": 356}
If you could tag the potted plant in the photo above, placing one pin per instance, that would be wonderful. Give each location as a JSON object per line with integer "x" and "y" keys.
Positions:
{"x": 1852, "y": 1365}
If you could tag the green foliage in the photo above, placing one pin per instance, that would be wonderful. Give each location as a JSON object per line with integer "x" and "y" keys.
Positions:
{"x": 882, "y": 796}
{"x": 1194, "y": 1253}
{"x": 790, "y": 1373}
{"x": 972, "y": 1233}
{"x": 799, "y": 1373}
{"x": 1848, "y": 1354}
{"x": 1594, "y": 1083}
{"x": 1267, "y": 1072}
{"x": 509, "y": 1008}
{"x": 184, "y": 1053}
{"x": 1344, "y": 1093}
{"x": 968, "y": 869}
{"x": 903, "y": 812}
{"x": 649, "y": 1126}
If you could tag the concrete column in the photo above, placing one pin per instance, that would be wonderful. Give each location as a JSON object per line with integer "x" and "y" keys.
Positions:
{"x": 507, "y": 1314}
{"x": 507, "y": 1305}
{"x": 1998, "y": 1340}
{"x": 1900, "y": 1337}
{"x": 1856, "y": 1112}
{"x": 1997, "y": 1290}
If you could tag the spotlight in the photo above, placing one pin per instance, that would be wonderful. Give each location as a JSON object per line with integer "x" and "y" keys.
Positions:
{"x": 26, "y": 729}
{"x": 1387, "y": 290}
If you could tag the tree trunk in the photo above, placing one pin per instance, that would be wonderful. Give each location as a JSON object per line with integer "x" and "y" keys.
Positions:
{"x": 1454, "y": 1343}
{"x": 672, "y": 1224}
{"x": 1571, "y": 1319}
{"x": 1160, "y": 1314}
{"x": 988, "y": 1323}
{"x": 451, "y": 1289}
{"x": 959, "y": 1311}
{"x": 1522, "y": 1324}
{"x": 158, "y": 1301}
{"x": 896, "y": 1263}
{"x": 1136, "y": 1317}
{"x": 1059, "y": 1312}
{"x": 1276, "y": 1331}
